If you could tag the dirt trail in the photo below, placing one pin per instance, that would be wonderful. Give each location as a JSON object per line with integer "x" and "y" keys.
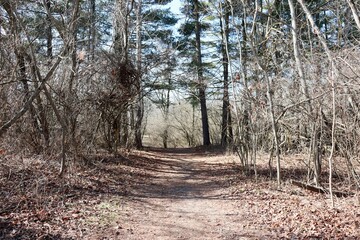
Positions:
{"x": 166, "y": 194}
{"x": 186, "y": 198}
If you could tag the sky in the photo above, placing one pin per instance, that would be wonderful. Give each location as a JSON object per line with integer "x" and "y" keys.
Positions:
{"x": 175, "y": 6}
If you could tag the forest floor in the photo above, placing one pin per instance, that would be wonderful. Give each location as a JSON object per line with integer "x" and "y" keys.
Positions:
{"x": 166, "y": 194}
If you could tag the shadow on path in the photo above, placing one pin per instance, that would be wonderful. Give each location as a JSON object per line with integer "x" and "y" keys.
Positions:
{"x": 185, "y": 173}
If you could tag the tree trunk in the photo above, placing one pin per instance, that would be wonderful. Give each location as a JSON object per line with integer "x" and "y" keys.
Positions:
{"x": 201, "y": 82}
{"x": 269, "y": 94}
{"x": 70, "y": 112}
{"x": 140, "y": 103}
{"x": 354, "y": 12}
{"x": 49, "y": 35}
{"x": 28, "y": 104}
{"x": 20, "y": 54}
{"x": 121, "y": 28}
{"x": 315, "y": 153}
{"x": 226, "y": 114}
{"x": 64, "y": 131}
{"x": 166, "y": 113}
{"x": 44, "y": 125}
{"x": 92, "y": 28}
{"x": 32, "y": 110}
{"x": 332, "y": 77}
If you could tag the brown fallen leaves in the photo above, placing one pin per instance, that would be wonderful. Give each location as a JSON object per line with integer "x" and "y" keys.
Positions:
{"x": 298, "y": 214}
{"x": 86, "y": 203}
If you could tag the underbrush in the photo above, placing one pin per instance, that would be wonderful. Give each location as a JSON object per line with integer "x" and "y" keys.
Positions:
{"x": 38, "y": 204}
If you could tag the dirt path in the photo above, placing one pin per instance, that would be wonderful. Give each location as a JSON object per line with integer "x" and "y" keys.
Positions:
{"x": 187, "y": 198}
{"x": 172, "y": 194}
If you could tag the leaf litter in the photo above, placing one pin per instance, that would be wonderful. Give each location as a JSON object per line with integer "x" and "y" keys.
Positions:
{"x": 164, "y": 194}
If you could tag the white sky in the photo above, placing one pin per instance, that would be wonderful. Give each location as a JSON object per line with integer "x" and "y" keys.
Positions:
{"x": 175, "y": 6}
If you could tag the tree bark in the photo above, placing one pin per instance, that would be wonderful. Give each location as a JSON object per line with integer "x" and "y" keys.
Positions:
{"x": 49, "y": 35}
{"x": 140, "y": 103}
{"x": 92, "y": 28}
{"x": 226, "y": 130}
{"x": 354, "y": 12}
{"x": 45, "y": 131}
{"x": 121, "y": 28}
{"x": 201, "y": 82}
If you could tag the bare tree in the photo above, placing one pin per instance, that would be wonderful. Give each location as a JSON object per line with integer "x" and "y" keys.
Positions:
{"x": 332, "y": 76}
